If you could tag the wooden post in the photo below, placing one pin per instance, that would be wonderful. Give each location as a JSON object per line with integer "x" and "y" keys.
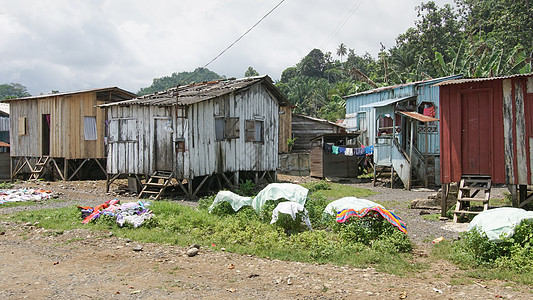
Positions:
{"x": 391, "y": 176}
{"x": 236, "y": 179}
{"x": 65, "y": 169}
{"x": 444, "y": 199}
{"x": 411, "y": 155}
{"x": 514, "y": 194}
{"x": 426, "y": 157}
{"x": 522, "y": 194}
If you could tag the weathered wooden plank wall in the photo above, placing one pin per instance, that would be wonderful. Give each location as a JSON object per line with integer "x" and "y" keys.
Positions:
{"x": 4, "y": 123}
{"x": 285, "y": 128}
{"x": 304, "y": 129}
{"x": 67, "y": 139}
{"x": 504, "y": 150}
{"x": 5, "y": 165}
{"x": 195, "y": 127}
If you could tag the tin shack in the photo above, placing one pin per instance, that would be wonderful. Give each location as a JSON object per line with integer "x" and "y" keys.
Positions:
{"x": 487, "y": 131}
{"x": 210, "y": 135}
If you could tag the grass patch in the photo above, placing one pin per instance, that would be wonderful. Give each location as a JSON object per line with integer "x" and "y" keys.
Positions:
{"x": 336, "y": 191}
{"x": 431, "y": 217}
{"x": 6, "y": 185}
{"x": 28, "y": 203}
{"x": 510, "y": 259}
{"x": 360, "y": 243}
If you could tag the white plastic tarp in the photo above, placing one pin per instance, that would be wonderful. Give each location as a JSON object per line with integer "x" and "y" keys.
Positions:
{"x": 274, "y": 191}
{"x": 346, "y": 203}
{"x": 499, "y": 222}
{"x": 236, "y": 201}
{"x": 292, "y": 209}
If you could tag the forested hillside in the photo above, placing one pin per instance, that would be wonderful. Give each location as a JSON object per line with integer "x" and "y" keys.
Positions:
{"x": 181, "y": 78}
{"x": 473, "y": 38}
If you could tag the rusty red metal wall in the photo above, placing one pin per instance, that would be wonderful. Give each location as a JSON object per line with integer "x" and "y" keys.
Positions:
{"x": 487, "y": 129}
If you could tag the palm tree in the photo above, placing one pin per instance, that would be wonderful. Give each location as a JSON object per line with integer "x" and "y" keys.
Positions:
{"x": 342, "y": 50}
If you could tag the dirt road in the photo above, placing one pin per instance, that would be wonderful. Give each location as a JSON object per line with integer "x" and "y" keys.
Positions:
{"x": 36, "y": 263}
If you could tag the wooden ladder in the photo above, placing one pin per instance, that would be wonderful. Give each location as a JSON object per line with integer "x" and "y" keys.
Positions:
{"x": 39, "y": 167}
{"x": 154, "y": 186}
{"x": 470, "y": 187}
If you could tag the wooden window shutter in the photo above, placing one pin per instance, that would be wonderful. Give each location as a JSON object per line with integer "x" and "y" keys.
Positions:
{"x": 231, "y": 129}
{"x": 22, "y": 126}
{"x": 249, "y": 130}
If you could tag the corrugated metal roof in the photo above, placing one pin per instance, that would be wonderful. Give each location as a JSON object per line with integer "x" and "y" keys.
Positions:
{"x": 468, "y": 80}
{"x": 114, "y": 89}
{"x": 4, "y": 107}
{"x": 337, "y": 135}
{"x": 386, "y": 102}
{"x": 194, "y": 93}
{"x": 390, "y": 87}
{"x": 318, "y": 120}
{"x": 418, "y": 116}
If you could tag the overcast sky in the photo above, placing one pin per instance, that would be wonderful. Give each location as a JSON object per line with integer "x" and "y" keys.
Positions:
{"x": 70, "y": 45}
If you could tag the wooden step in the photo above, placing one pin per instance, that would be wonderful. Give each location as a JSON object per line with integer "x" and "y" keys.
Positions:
{"x": 474, "y": 212}
{"x": 474, "y": 188}
{"x": 474, "y": 199}
{"x": 150, "y": 192}
{"x": 155, "y": 184}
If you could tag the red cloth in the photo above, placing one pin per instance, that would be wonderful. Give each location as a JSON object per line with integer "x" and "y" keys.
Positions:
{"x": 430, "y": 112}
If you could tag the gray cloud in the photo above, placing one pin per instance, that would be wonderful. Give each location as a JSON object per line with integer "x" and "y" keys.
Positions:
{"x": 70, "y": 45}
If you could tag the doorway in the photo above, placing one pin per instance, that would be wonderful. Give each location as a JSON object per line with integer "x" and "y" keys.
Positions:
{"x": 45, "y": 135}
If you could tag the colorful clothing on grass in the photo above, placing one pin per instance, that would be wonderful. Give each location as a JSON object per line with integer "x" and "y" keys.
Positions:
{"x": 345, "y": 214}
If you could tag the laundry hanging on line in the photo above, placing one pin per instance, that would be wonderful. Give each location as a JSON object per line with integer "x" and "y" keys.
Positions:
{"x": 348, "y": 151}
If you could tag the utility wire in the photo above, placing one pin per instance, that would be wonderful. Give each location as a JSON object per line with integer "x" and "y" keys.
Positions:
{"x": 341, "y": 24}
{"x": 220, "y": 54}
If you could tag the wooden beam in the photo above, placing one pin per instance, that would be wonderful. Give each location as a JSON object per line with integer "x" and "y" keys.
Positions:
{"x": 77, "y": 169}
{"x": 444, "y": 199}
{"x": 180, "y": 183}
{"x": 524, "y": 198}
{"x": 54, "y": 163}
{"x": 105, "y": 171}
{"x": 199, "y": 186}
{"x": 65, "y": 169}
{"x": 110, "y": 181}
{"x": 231, "y": 187}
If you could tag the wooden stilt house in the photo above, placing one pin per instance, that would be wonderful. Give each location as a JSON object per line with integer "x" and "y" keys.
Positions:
{"x": 208, "y": 135}
{"x": 400, "y": 121}
{"x": 61, "y": 134}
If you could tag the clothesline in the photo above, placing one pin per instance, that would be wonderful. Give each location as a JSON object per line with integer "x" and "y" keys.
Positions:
{"x": 361, "y": 151}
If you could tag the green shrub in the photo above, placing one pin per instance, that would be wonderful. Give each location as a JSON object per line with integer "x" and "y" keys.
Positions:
{"x": 265, "y": 214}
{"x": 205, "y": 202}
{"x": 315, "y": 206}
{"x": 290, "y": 225}
{"x": 246, "y": 188}
{"x": 393, "y": 242}
{"x": 514, "y": 253}
{"x": 223, "y": 209}
{"x": 6, "y": 185}
{"x": 319, "y": 186}
{"x": 364, "y": 230}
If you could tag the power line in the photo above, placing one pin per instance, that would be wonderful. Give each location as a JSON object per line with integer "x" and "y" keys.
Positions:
{"x": 220, "y": 54}
{"x": 341, "y": 24}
